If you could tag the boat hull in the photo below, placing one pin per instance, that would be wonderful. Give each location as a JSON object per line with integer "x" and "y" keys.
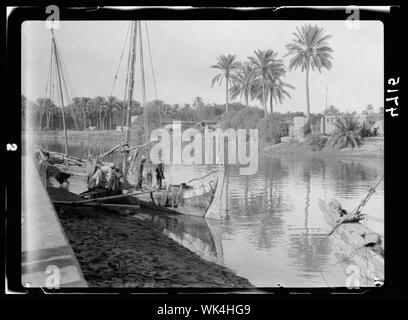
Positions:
{"x": 196, "y": 201}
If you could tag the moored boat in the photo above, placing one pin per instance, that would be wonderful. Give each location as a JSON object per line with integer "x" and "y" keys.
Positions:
{"x": 201, "y": 198}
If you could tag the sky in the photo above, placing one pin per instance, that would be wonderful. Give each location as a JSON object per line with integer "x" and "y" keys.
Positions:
{"x": 183, "y": 51}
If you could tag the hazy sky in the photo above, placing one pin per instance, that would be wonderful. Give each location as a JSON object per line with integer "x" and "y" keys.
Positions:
{"x": 183, "y": 51}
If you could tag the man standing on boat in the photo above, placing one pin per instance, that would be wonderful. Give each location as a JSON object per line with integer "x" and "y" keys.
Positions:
{"x": 160, "y": 172}
{"x": 140, "y": 173}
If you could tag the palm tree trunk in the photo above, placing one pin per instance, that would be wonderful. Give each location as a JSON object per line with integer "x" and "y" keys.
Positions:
{"x": 100, "y": 118}
{"x": 264, "y": 98}
{"x": 47, "y": 117}
{"x": 41, "y": 114}
{"x": 307, "y": 94}
{"x": 307, "y": 127}
{"x": 84, "y": 116}
{"x": 74, "y": 119}
{"x": 226, "y": 92}
{"x": 271, "y": 101}
{"x": 246, "y": 99}
{"x": 124, "y": 117}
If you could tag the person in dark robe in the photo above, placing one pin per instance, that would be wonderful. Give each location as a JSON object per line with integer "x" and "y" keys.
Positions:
{"x": 140, "y": 173}
{"x": 160, "y": 173}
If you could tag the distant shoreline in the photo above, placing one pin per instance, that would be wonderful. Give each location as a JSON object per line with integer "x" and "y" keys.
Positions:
{"x": 373, "y": 147}
{"x": 88, "y": 134}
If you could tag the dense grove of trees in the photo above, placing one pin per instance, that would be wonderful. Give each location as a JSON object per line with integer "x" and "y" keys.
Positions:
{"x": 100, "y": 113}
{"x": 106, "y": 114}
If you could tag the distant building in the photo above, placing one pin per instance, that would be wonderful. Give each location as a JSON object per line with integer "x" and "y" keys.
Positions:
{"x": 367, "y": 121}
{"x": 327, "y": 124}
{"x": 378, "y": 128}
{"x": 298, "y": 128}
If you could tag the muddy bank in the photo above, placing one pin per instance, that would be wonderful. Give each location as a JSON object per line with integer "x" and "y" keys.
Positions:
{"x": 372, "y": 148}
{"x": 117, "y": 250}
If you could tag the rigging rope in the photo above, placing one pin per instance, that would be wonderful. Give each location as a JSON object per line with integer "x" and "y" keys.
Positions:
{"x": 151, "y": 61}
{"x": 120, "y": 61}
{"x": 49, "y": 80}
{"x": 64, "y": 70}
{"x": 64, "y": 84}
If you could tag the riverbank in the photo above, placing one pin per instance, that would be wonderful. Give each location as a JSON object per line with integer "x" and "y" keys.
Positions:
{"x": 118, "y": 250}
{"x": 373, "y": 147}
{"x": 110, "y": 135}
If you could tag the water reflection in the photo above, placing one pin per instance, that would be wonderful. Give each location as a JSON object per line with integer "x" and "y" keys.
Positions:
{"x": 202, "y": 236}
{"x": 274, "y": 232}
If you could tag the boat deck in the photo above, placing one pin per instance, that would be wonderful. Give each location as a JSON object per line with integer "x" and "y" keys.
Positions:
{"x": 47, "y": 257}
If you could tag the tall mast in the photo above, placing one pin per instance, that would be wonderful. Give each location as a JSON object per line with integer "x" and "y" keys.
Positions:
{"x": 60, "y": 87}
{"x": 143, "y": 80}
{"x": 130, "y": 91}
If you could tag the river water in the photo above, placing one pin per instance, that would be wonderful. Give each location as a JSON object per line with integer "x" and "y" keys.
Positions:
{"x": 274, "y": 234}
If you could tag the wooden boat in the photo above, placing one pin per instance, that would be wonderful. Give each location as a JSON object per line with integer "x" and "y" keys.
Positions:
{"x": 358, "y": 249}
{"x": 201, "y": 198}
{"x": 198, "y": 197}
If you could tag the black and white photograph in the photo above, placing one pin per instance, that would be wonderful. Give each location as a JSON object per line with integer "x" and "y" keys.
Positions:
{"x": 203, "y": 154}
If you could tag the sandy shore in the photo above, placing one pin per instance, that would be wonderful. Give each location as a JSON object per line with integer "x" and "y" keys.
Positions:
{"x": 117, "y": 250}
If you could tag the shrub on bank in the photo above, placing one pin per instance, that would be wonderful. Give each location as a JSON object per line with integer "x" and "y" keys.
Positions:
{"x": 246, "y": 118}
{"x": 273, "y": 128}
{"x": 316, "y": 141}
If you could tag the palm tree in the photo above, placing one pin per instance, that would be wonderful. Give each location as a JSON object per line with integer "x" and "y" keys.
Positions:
{"x": 277, "y": 91}
{"x": 243, "y": 83}
{"x": 198, "y": 102}
{"x": 113, "y": 105}
{"x": 100, "y": 104}
{"x": 228, "y": 66}
{"x": 79, "y": 107}
{"x": 309, "y": 49}
{"x": 265, "y": 63}
{"x": 276, "y": 87}
{"x": 44, "y": 105}
{"x": 347, "y": 132}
